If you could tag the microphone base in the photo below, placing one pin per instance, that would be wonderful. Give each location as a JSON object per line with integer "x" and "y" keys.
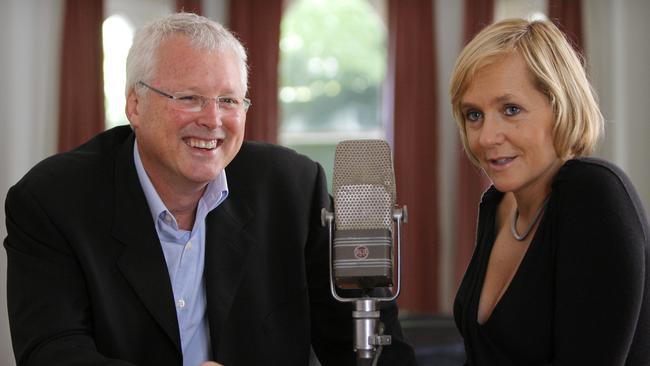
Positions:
{"x": 368, "y": 330}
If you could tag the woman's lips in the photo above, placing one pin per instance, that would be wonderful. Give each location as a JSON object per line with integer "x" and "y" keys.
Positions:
{"x": 501, "y": 163}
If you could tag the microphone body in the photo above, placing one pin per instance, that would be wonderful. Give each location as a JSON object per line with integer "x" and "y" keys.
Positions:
{"x": 364, "y": 197}
{"x": 362, "y": 234}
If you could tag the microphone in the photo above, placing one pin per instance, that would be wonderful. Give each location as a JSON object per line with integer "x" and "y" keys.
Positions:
{"x": 364, "y": 196}
{"x": 361, "y": 231}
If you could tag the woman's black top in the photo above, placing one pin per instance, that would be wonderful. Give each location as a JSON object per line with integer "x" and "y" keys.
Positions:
{"x": 581, "y": 295}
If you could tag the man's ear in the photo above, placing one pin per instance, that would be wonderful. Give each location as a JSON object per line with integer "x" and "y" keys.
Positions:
{"x": 133, "y": 107}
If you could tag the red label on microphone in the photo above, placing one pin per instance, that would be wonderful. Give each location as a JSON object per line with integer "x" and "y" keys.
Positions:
{"x": 361, "y": 252}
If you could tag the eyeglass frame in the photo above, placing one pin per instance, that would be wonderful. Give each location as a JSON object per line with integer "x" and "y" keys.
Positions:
{"x": 245, "y": 102}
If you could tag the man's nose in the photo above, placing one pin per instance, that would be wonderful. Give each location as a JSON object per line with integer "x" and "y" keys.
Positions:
{"x": 211, "y": 115}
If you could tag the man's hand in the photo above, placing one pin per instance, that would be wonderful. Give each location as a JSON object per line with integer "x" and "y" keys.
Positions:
{"x": 211, "y": 363}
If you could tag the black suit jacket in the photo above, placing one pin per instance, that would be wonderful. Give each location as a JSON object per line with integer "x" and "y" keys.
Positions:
{"x": 88, "y": 285}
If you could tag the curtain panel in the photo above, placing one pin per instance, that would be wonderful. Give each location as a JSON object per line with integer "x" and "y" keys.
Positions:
{"x": 411, "y": 81}
{"x": 257, "y": 24}
{"x": 567, "y": 15}
{"x": 81, "y": 90}
{"x": 189, "y": 6}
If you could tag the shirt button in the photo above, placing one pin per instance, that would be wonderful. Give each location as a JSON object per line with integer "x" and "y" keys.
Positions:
{"x": 188, "y": 246}
{"x": 180, "y": 303}
{"x": 168, "y": 219}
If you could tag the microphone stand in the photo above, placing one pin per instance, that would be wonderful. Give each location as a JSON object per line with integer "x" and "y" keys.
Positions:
{"x": 369, "y": 339}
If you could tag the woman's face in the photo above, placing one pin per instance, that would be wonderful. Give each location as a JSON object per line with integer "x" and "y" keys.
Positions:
{"x": 509, "y": 124}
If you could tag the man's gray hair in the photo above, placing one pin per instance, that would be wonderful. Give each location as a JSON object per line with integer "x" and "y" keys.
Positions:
{"x": 202, "y": 32}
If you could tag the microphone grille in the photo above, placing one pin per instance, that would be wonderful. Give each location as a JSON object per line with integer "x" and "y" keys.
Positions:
{"x": 363, "y": 185}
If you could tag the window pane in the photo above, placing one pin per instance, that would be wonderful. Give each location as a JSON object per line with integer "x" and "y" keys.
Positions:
{"x": 118, "y": 36}
{"x": 123, "y": 17}
{"x": 527, "y": 9}
{"x": 332, "y": 67}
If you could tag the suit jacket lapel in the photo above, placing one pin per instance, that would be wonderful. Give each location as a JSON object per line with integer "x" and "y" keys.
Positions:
{"x": 142, "y": 262}
{"x": 227, "y": 245}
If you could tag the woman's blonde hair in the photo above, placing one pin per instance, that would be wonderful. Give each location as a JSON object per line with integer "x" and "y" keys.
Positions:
{"x": 556, "y": 69}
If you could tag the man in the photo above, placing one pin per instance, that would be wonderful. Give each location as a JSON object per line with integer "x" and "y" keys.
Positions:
{"x": 171, "y": 241}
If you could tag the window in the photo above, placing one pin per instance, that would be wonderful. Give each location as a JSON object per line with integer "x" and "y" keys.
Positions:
{"x": 123, "y": 18}
{"x": 332, "y": 67}
{"x": 527, "y": 9}
{"x": 118, "y": 36}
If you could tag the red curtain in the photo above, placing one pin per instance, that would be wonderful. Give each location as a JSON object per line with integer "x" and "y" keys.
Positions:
{"x": 412, "y": 81}
{"x": 81, "y": 86}
{"x": 471, "y": 181}
{"x": 567, "y": 15}
{"x": 189, "y": 6}
{"x": 257, "y": 24}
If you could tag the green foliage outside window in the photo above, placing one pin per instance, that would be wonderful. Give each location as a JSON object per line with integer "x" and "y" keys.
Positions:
{"x": 333, "y": 62}
{"x": 332, "y": 67}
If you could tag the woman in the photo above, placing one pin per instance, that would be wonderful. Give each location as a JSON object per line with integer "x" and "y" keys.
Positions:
{"x": 560, "y": 274}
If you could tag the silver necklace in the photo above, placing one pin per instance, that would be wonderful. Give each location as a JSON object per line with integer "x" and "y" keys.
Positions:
{"x": 538, "y": 214}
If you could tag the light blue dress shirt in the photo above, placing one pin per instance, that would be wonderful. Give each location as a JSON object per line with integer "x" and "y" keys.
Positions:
{"x": 185, "y": 256}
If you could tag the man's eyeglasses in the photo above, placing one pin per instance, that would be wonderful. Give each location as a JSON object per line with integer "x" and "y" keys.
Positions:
{"x": 196, "y": 103}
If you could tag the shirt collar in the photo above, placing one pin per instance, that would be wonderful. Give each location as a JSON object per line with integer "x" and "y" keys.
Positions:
{"x": 215, "y": 192}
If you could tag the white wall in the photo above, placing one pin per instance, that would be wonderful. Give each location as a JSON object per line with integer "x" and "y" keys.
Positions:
{"x": 618, "y": 51}
{"x": 217, "y": 10}
{"x": 30, "y": 34}
{"x": 449, "y": 38}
